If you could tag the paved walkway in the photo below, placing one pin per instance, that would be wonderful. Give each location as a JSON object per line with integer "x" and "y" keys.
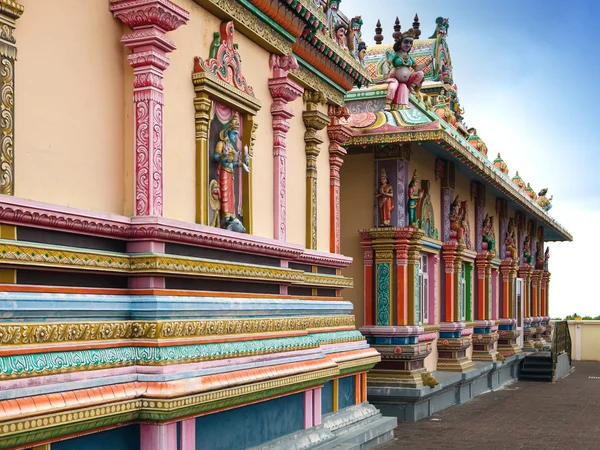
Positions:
{"x": 524, "y": 415}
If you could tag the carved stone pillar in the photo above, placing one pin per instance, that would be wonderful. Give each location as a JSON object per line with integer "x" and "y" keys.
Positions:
{"x": 536, "y": 302}
{"x": 414, "y": 255}
{"x": 338, "y": 134}
{"x": 528, "y": 330}
{"x": 367, "y": 247}
{"x": 485, "y": 332}
{"x": 479, "y": 190}
{"x": 314, "y": 120}
{"x": 149, "y": 19}
{"x": 9, "y": 13}
{"x": 448, "y": 183}
{"x": 283, "y": 90}
{"x": 449, "y": 256}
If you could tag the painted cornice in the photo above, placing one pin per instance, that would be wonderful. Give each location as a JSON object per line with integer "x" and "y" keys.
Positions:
{"x": 21, "y": 212}
{"x": 448, "y": 139}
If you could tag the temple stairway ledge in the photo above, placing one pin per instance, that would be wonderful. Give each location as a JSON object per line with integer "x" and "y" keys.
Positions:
{"x": 359, "y": 427}
{"x": 412, "y": 404}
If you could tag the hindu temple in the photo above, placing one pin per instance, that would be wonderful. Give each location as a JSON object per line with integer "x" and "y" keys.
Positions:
{"x": 239, "y": 224}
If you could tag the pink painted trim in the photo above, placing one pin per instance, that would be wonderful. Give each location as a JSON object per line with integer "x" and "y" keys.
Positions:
{"x": 158, "y": 437}
{"x": 146, "y": 283}
{"x": 145, "y": 247}
{"x": 467, "y": 332}
{"x": 308, "y": 409}
{"x": 429, "y": 336}
{"x": 188, "y": 434}
{"x": 410, "y": 330}
{"x": 340, "y": 346}
{"x": 317, "y": 407}
{"x": 432, "y": 261}
{"x": 18, "y": 211}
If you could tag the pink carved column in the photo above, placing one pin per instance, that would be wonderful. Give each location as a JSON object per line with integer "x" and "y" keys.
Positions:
{"x": 283, "y": 90}
{"x": 338, "y": 134}
{"x": 158, "y": 437}
{"x": 149, "y": 19}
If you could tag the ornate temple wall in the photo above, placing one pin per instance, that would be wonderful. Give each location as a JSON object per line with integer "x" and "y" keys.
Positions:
{"x": 357, "y": 212}
{"x": 71, "y": 92}
{"x": 193, "y": 39}
{"x": 296, "y": 177}
{"x": 490, "y": 208}
{"x": 424, "y": 162}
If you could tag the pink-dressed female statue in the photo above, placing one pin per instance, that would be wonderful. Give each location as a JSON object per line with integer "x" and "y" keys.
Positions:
{"x": 401, "y": 80}
{"x": 386, "y": 200}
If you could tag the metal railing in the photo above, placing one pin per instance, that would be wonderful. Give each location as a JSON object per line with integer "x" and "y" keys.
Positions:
{"x": 561, "y": 342}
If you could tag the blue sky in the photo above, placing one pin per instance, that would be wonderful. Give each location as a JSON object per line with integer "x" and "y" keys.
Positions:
{"x": 526, "y": 73}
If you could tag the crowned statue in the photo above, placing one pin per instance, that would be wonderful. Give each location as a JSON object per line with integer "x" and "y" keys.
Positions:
{"x": 414, "y": 195}
{"x": 229, "y": 158}
{"x": 456, "y": 221}
{"x": 385, "y": 197}
{"x": 406, "y": 74}
{"x": 488, "y": 234}
{"x": 544, "y": 202}
{"x": 510, "y": 240}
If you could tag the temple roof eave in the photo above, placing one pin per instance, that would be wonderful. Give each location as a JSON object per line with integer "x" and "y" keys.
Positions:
{"x": 468, "y": 157}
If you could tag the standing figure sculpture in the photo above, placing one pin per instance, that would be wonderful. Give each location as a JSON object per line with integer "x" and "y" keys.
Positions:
{"x": 546, "y": 258}
{"x": 466, "y": 225}
{"x": 539, "y": 256}
{"x": 543, "y": 201}
{"x": 414, "y": 195}
{"x": 229, "y": 158}
{"x": 510, "y": 240}
{"x": 527, "y": 250}
{"x": 487, "y": 233}
{"x": 456, "y": 219}
{"x": 385, "y": 197}
{"x": 400, "y": 80}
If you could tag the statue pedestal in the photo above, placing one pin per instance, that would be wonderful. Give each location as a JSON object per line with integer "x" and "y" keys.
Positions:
{"x": 528, "y": 333}
{"x": 402, "y": 356}
{"x": 452, "y": 348}
{"x": 547, "y": 333}
{"x": 507, "y": 338}
{"x": 485, "y": 337}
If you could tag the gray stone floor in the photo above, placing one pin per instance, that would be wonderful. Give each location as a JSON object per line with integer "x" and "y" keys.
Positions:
{"x": 524, "y": 415}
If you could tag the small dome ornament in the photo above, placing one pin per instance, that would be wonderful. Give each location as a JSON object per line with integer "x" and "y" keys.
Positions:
{"x": 501, "y": 165}
{"x": 518, "y": 181}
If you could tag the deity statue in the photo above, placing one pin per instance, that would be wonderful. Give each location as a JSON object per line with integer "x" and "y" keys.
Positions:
{"x": 339, "y": 35}
{"x": 527, "y": 258}
{"x": 400, "y": 80}
{"x": 465, "y": 224}
{"x": 385, "y": 195}
{"x": 442, "y": 108}
{"x": 333, "y": 17}
{"x": 543, "y": 201}
{"x": 362, "y": 52}
{"x": 229, "y": 158}
{"x": 510, "y": 240}
{"x": 539, "y": 256}
{"x": 546, "y": 258}
{"x": 456, "y": 219}
{"x": 414, "y": 195}
{"x": 487, "y": 233}
{"x": 355, "y": 35}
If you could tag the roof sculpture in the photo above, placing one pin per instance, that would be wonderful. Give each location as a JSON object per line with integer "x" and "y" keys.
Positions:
{"x": 430, "y": 111}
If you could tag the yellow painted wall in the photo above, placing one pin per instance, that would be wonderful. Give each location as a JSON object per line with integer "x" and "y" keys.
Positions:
{"x": 463, "y": 190}
{"x": 424, "y": 162}
{"x": 356, "y": 213}
{"x": 323, "y": 193}
{"x": 490, "y": 208}
{"x": 590, "y": 335}
{"x": 69, "y": 116}
{"x": 431, "y": 361}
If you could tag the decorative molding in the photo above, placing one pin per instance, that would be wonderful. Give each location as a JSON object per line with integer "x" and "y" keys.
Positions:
{"x": 21, "y": 212}
{"x": 459, "y": 148}
{"x": 283, "y": 90}
{"x": 310, "y": 80}
{"x": 44, "y": 334}
{"x": 10, "y": 11}
{"x": 149, "y": 19}
{"x": 14, "y": 253}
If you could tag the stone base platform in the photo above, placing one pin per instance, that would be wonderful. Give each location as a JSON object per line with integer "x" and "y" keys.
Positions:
{"x": 411, "y": 405}
{"x": 359, "y": 427}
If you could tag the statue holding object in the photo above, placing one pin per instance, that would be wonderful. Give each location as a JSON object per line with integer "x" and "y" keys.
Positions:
{"x": 510, "y": 240}
{"x": 385, "y": 197}
{"x": 465, "y": 224}
{"x": 401, "y": 80}
{"x": 488, "y": 233}
{"x": 456, "y": 221}
{"x": 229, "y": 158}
{"x": 543, "y": 201}
{"x": 546, "y": 258}
{"x": 414, "y": 195}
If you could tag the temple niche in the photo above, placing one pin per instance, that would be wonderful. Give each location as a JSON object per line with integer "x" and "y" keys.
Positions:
{"x": 228, "y": 158}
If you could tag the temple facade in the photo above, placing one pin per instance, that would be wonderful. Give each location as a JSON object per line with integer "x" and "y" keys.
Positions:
{"x": 454, "y": 283}
{"x": 233, "y": 224}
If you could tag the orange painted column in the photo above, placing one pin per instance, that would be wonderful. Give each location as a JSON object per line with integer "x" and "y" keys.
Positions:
{"x": 482, "y": 301}
{"x": 506, "y": 305}
{"x": 525, "y": 274}
{"x": 449, "y": 256}
{"x": 364, "y": 386}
